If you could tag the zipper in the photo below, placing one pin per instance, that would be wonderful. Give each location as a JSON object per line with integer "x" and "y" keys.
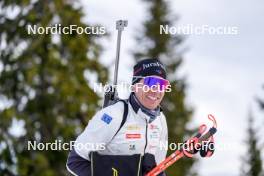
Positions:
{"x": 139, "y": 165}
{"x": 91, "y": 163}
{"x": 146, "y": 136}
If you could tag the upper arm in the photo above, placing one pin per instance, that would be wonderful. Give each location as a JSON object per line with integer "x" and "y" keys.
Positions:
{"x": 100, "y": 130}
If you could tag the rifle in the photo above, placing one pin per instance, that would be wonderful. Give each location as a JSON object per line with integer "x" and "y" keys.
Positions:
{"x": 111, "y": 95}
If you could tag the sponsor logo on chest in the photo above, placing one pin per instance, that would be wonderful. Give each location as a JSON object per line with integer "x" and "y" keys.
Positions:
{"x": 153, "y": 127}
{"x": 133, "y": 127}
{"x": 154, "y": 135}
{"x": 132, "y": 147}
{"x": 133, "y": 136}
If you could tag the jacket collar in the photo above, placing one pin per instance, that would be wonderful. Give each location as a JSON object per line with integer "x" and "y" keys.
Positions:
{"x": 137, "y": 107}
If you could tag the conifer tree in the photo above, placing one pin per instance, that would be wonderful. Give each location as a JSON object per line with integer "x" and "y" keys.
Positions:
{"x": 43, "y": 83}
{"x": 252, "y": 165}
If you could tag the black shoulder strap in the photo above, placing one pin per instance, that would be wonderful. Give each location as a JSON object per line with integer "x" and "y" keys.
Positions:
{"x": 124, "y": 115}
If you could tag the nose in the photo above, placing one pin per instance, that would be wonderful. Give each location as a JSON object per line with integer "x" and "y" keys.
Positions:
{"x": 156, "y": 89}
{"x": 154, "y": 92}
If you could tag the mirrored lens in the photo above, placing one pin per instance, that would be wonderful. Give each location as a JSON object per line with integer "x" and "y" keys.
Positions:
{"x": 155, "y": 81}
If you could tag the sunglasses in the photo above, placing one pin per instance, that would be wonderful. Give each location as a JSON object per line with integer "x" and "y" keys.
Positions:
{"x": 161, "y": 83}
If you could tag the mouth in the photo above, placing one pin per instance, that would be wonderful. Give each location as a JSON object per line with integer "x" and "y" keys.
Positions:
{"x": 152, "y": 98}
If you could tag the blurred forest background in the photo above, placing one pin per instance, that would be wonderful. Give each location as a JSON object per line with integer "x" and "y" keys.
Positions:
{"x": 44, "y": 87}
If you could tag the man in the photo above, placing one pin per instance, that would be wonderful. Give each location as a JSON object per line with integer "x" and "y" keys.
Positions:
{"x": 124, "y": 139}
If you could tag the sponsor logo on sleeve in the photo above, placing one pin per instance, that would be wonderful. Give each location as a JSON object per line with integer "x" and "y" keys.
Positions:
{"x": 106, "y": 118}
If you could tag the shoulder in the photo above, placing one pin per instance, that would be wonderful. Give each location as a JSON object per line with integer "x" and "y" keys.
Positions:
{"x": 111, "y": 113}
{"x": 115, "y": 109}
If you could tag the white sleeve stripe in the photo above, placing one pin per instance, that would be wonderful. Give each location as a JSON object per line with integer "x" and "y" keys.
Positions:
{"x": 70, "y": 170}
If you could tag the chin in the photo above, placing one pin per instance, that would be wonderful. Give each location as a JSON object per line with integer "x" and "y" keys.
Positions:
{"x": 151, "y": 107}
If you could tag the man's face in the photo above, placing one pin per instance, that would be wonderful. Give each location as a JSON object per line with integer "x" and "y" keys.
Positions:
{"x": 149, "y": 98}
